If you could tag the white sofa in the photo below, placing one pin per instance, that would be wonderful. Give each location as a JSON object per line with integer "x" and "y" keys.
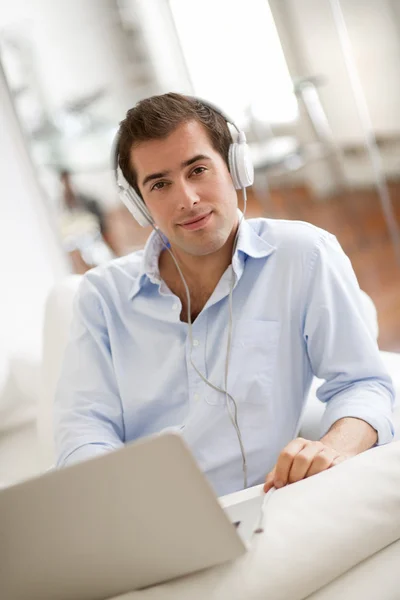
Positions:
{"x": 20, "y": 375}
{"x": 334, "y": 535}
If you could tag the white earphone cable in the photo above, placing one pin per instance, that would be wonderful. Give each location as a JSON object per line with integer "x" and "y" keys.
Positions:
{"x": 228, "y": 397}
{"x": 132, "y": 201}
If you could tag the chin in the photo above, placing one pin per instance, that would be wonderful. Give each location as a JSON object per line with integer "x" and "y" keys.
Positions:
{"x": 204, "y": 247}
{"x": 205, "y": 242}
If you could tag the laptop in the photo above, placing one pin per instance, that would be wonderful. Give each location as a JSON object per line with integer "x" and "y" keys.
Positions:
{"x": 130, "y": 519}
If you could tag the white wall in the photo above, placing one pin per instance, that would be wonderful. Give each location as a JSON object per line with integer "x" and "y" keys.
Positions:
{"x": 163, "y": 47}
{"x": 375, "y": 38}
{"x": 31, "y": 258}
{"x": 80, "y": 47}
{"x": 311, "y": 46}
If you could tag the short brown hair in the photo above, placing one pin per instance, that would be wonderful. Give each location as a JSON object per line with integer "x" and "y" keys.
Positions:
{"x": 158, "y": 116}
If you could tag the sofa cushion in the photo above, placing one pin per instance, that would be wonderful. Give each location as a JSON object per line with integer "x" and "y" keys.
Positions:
{"x": 375, "y": 577}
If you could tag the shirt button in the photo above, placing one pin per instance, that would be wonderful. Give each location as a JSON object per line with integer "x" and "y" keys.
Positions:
{"x": 196, "y": 397}
{"x": 175, "y": 306}
{"x": 196, "y": 342}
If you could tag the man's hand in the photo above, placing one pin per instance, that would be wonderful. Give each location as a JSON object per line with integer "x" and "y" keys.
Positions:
{"x": 300, "y": 459}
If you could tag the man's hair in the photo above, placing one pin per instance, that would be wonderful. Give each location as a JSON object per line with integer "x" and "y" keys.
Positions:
{"x": 157, "y": 117}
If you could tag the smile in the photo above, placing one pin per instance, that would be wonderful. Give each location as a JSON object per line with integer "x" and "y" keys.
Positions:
{"x": 198, "y": 223}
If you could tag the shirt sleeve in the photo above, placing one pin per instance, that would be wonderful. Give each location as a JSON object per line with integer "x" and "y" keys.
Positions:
{"x": 341, "y": 347}
{"x": 88, "y": 418}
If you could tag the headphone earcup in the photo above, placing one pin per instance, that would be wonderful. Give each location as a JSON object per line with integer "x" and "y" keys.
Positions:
{"x": 136, "y": 207}
{"x": 240, "y": 165}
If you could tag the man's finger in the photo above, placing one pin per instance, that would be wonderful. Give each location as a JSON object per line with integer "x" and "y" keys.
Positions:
{"x": 285, "y": 461}
{"x": 303, "y": 461}
{"x": 323, "y": 461}
{"x": 339, "y": 459}
{"x": 269, "y": 481}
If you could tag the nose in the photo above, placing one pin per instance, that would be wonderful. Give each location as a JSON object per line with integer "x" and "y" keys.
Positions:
{"x": 188, "y": 197}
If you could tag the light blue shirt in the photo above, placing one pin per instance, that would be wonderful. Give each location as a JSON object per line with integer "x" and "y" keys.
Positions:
{"x": 297, "y": 312}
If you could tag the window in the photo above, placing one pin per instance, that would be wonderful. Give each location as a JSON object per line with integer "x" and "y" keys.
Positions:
{"x": 235, "y": 59}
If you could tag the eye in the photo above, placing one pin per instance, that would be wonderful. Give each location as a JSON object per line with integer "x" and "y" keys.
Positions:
{"x": 158, "y": 186}
{"x": 198, "y": 170}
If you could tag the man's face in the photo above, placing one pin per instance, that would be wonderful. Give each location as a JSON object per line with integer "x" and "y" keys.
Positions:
{"x": 187, "y": 188}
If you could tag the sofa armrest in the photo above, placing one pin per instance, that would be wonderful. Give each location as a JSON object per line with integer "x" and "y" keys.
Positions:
{"x": 314, "y": 531}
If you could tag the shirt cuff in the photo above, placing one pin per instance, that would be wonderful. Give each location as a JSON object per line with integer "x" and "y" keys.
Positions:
{"x": 84, "y": 452}
{"x": 374, "y": 409}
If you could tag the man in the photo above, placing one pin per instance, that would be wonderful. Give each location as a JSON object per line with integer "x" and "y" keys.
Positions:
{"x": 74, "y": 201}
{"x": 297, "y": 311}
{"x": 83, "y": 218}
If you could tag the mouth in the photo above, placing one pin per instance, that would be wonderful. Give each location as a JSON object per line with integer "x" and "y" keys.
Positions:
{"x": 197, "y": 222}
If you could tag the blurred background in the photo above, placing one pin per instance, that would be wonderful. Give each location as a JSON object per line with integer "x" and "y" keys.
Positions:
{"x": 314, "y": 83}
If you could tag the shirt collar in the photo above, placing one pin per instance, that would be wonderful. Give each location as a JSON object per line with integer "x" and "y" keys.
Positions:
{"x": 149, "y": 270}
{"x": 249, "y": 243}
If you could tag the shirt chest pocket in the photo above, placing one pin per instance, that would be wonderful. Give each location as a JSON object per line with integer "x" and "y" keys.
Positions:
{"x": 252, "y": 362}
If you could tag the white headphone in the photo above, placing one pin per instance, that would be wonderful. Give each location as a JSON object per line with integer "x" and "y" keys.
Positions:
{"x": 240, "y": 167}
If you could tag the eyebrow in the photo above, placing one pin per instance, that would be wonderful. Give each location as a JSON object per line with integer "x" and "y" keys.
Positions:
{"x": 185, "y": 163}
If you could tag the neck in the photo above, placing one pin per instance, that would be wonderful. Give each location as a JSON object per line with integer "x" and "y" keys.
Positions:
{"x": 201, "y": 273}
{"x": 204, "y": 268}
